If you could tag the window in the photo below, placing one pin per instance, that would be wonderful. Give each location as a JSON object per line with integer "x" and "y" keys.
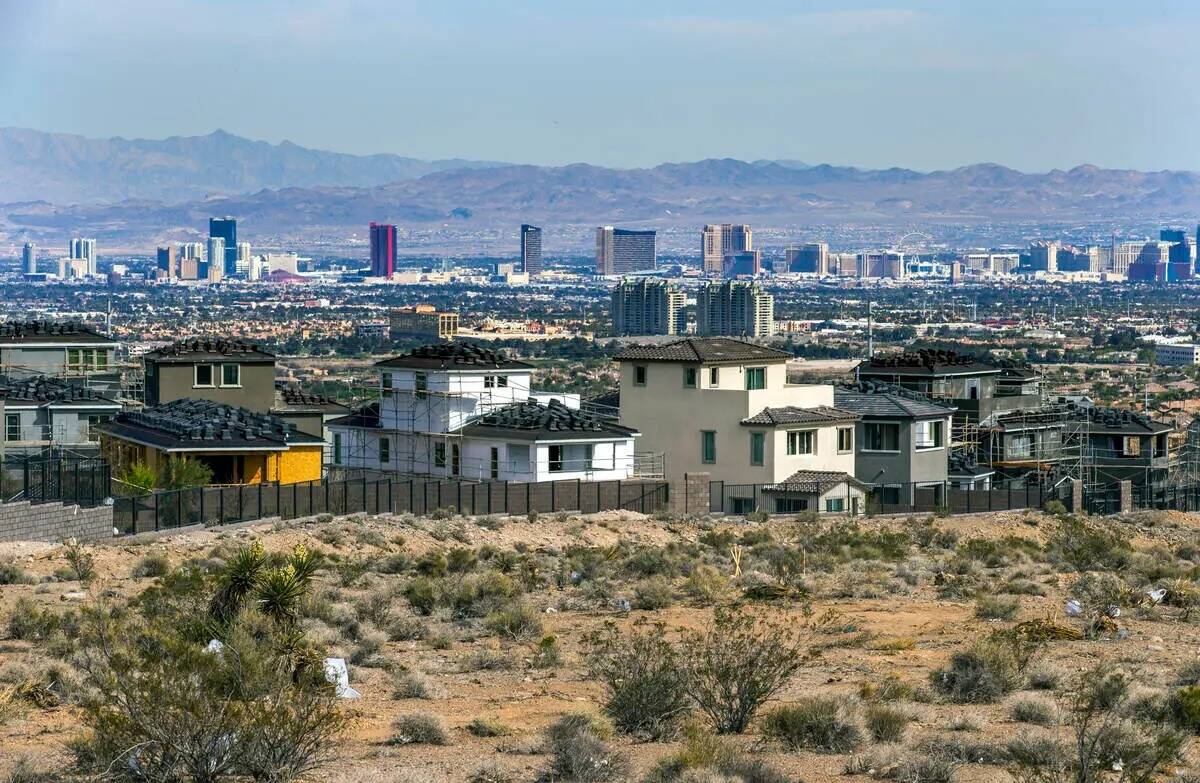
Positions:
{"x": 455, "y": 459}
{"x": 337, "y": 448}
{"x": 845, "y": 440}
{"x": 639, "y": 375}
{"x": 73, "y": 359}
{"x": 801, "y": 442}
{"x": 1131, "y": 446}
{"x": 757, "y": 448}
{"x": 973, "y": 389}
{"x": 494, "y": 463}
{"x": 386, "y": 381}
{"x": 756, "y": 378}
{"x": 86, "y": 359}
{"x": 204, "y": 375}
{"x": 501, "y": 381}
{"x": 881, "y": 436}
{"x": 556, "y": 459}
{"x": 708, "y": 447}
{"x": 714, "y": 376}
{"x": 689, "y": 377}
{"x": 231, "y": 375}
{"x": 439, "y": 455}
{"x": 489, "y": 381}
{"x": 1020, "y": 446}
{"x": 421, "y": 384}
{"x": 101, "y": 359}
{"x": 588, "y": 450}
{"x": 835, "y": 505}
{"x": 385, "y": 450}
{"x": 93, "y": 422}
{"x": 929, "y": 434}
{"x": 12, "y": 426}
{"x": 791, "y": 505}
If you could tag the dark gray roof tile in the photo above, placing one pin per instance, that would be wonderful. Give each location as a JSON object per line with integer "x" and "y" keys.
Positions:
{"x": 704, "y": 350}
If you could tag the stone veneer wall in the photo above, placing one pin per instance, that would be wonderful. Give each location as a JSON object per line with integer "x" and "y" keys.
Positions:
{"x": 54, "y": 522}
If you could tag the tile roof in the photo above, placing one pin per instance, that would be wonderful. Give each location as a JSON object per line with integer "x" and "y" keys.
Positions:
{"x": 961, "y": 463}
{"x": 814, "y": 482}
{"x": 926, "y": 362}
{"x": 1103, "y": 420}
{"x": 43, "y": 389}
{"x": 366, "y": 417}
{"x": 706, "y": 350}
{"x": 190, "y": 424}
{"x": 532, "y": 420}
{"x": 214, "y": 348}
{"x": 293, "y": 397}
{"x": 876, "y": 399}
{"x": 49, "y": 332}
{"x": 790, "y": 414}
{"x": 455, "y": 356}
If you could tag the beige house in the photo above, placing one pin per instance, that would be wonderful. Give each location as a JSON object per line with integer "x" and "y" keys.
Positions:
{"x": 724, "y": 407}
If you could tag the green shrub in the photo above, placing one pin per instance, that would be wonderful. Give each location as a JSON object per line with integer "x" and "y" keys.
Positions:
{"x": 30, "y": 623}
{"x": 412, "y": 685}
{"x": 994, "y": 607}
{"x": 1088, "y": 547}
{"x": 1036, "y": 711}
{"x": 705, "y": 583}
{"x": 1055, "y": 508}
{"x": 547, "y": 654}
{"x": 419, "y": 728}
{"x": 152, "y": 566}
{"x": 644, "y": 690}
{"x": 12, "y": 574}
{"x": 420, "y": 592}
{"x": 653, "y": 594}
{"x": 488, "y": 727}
{"x": 886, "y": 723}
{"x": 816, "y": 723}
{"x": 80, "y": 560}
{"x": 1183, "y": 706}
{"x": 579, "y": 753}
{"x": 519, "y": 621}
{"x": 981, "y": 674}
{"x": 706, "y": 758}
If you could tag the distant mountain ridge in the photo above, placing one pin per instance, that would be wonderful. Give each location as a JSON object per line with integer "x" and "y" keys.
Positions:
{"x": 65, "y": 168}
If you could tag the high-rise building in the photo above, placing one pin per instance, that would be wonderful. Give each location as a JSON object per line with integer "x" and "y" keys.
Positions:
{"x": 620, "y": 251}
{"x": 647, "y": 306}
{"x": 29, "y": 259}
{"x": 1182, "y": 255}
{"x": 168, "y": 261}
{"x": 1043, "y": 256}
{"x": 243, "y": 259}
{"x": 216, "y": 250}
{"x": 226, "y": 229}
{"x": 383, "y": 249}
{"x": 734, "y": 308}
{"x": 531, "y": 250}
{"x": 85, "y": 249}
{"x": 880, "y": 263}
{"x": 719, "y": 240}
{"x": 743, "y": 264}
{"x": 812, "y": 258}
{"x": 1141, "y": 259}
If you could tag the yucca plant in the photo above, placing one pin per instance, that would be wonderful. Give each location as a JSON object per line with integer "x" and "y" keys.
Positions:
{"x": 279, "y": 592}
{"x": 237, "y": 580}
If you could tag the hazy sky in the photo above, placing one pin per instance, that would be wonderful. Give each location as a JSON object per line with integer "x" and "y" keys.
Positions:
{"x": 1034, "y": 85}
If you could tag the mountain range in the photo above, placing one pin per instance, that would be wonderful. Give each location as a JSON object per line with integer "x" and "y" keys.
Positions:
{"x": 285, "y": 190}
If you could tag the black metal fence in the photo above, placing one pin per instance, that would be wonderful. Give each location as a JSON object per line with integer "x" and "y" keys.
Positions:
{"x": 248, "y": 502}
{"x": 911, "y": 498}
{"x": 83, "y": 481}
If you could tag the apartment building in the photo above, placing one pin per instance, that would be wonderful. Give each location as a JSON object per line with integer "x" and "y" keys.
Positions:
{"x": 647, "y": 306}
{"x": 1177, "y": 353}
{"x": 622, "y": 251}
{"x": 423, "y": 321}
{"x": 734, "y": 308}
{"x": 724, "y": 407}
{"x": 720, "y": 241}
{"x": 463, "y": 410}
{"x": 811, "y": 258}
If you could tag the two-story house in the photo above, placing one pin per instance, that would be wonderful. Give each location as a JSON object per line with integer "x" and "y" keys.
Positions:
{"x": 463, "y": 410}
{"x": 69, "y": 351}
{"x": 1122, "y": 445}
{"x": 230, "y": 372}
{"x": 723, "y": 406}
{"x": 903, "y": 442}
{"x": 42, "y": 412}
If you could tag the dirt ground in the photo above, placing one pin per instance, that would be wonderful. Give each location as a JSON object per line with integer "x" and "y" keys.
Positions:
{"x": 903, "y": 628}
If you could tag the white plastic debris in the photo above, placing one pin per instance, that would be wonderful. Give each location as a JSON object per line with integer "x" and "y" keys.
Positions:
{"x": 551, "y": 610}
{"x": 1074, "y": 608}
{"x": 214, "y": 646}
{"x": 1113, "y": 612}
{"x": 1157, "y": 595}
{"x": 337, "y": 673}
{"x": 623, "y": 605}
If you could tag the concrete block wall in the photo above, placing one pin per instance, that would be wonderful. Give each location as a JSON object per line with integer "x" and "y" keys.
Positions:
{"x": 54, "y": 522}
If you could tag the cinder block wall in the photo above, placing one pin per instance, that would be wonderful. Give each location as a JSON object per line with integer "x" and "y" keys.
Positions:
{"x": 54, "y": 522}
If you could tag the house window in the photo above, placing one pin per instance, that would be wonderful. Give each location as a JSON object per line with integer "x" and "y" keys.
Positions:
{"x": 708, "y": 447}
{"x": 73, "y": 359}
{"x": 639, "y": 375}
{"x": 1020, "y": 446}
{"x": 337, "y": 448}
{"x": 835, "y": 505}
{"x": 93, "y": 422}
{"x": 1131, "y": 446}
{"x": 386, "y": 381}
{"x": 501, "y": 381}
{"x": 489, "y": 381}
{"x": 845, "y": 440}
{"x": 494, "y": 463}
{"x": 455, "y": 459}
{"x": 421, "y": 383}
{"x": 588, "y": 450}
{"x": 791, "y": 505}
{"x": 972, "y": 388}
{"x": 689, "y": 377}
{"x": 385, "y": 450}
{"x": 881, "y": 436}
{"x": 556, "y": 459}
{"x": 714, "y": 376}
{"x": 930, "y": 434}
{"x": 439, "y": 455}
{"x": 204, "y": 376}
{"x": 756, "y": 378}
{"x": 12, "y": 426}
{"x": 757, "y": 448}
{"x": 231, "y": 375}
{"x": 801, "y": 442}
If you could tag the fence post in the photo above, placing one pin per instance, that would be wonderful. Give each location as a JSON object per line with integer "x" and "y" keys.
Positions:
{"x": 553, "y": 495}
{"x": 201, "y": 491}
{"x": 578, "y": 495}
{"x": 156, "y": 521}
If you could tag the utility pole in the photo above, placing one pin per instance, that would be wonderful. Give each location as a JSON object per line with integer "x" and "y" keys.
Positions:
{"x": 870, "y": 329}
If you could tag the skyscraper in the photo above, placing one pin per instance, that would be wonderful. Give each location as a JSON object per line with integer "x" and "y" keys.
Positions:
{"x": 86, "y": 250}
{"x": 1043, "y": 256}
{"x": 216, "y": 268}
{"x": 620, "y": 251}
{"x": 720, "y": 240}
{"x": 29, "y": 258}
{"x": 745, "y": 263}
{"x": 811, "y": 258}
{"x": 735, "y": 308}
{"x": 531, "y": 250}
{"x": 383, "y": 249}
{"x": 647, "y": 306}
{"x": 226, "y": 229}
{"x": 168, "y": 261}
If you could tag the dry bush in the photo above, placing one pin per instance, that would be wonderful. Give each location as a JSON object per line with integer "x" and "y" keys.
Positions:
{"x": 644, "y": 689}
{"x": 823, "y": 724}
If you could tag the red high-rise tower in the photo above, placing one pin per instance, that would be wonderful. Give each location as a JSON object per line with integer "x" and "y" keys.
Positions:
{"x": 383, "y": 249}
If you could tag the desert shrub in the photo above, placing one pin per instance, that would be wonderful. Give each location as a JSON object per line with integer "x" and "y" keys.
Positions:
{"x": 963, "y": 751}
{"x": 480, "y": 594}
{"x": 1055, "y": 508}
{"x": 547, "y": 654}
{"x": 518, "y": 621}
{"x": 1087, "y": 547}
{"x": 1188, "y": 674}
{"x": 886, "y": 723}
{"x": 705, "y": 583}
{"x": 491, "y": 772}
{"x": 488, "y": 727}
{"x": 706, "y": 758}
{"x": 396, "y": 563}
{"x": 652, "y": 594}
{"x": 981, "y": 674}
{"x": 890, "y": 688}
{"x": 151, "y": 566}
{"x": 579, "y": 753}
{"x": 419, "y": 728}
{"x": 994, "y": 607}
{"x": 421, "y": 594}
{"x": 485, "y": 659}
{"x": 644, "y": 690}
{"x": 1183, "y": 707}
{"x": 432, "y": 564}
{"x": 734, "y": 666}
{"x": 1044, "y": 678}
{"x": 1037, "y": 711}
{"x": 1098, "y": 590}
{"x": 412, "y": 685}
{"x": 820, "y": 723}
{"x": 12, "y": 574}
{"x": 925, "y": 769}
{"x": 80, "y": 561}
{"x": 460, "y": 560}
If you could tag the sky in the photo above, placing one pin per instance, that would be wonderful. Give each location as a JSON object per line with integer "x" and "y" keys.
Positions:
{"x": 923, "y": 85}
